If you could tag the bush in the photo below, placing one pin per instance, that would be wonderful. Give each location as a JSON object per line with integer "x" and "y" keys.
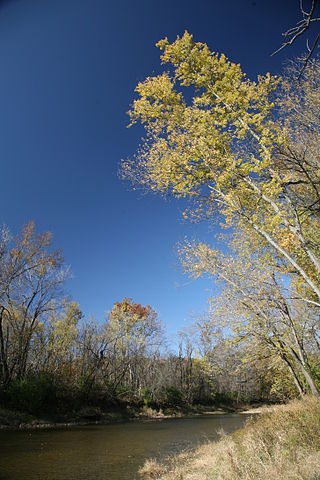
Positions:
{"x": 146, "y": 397}
{"x": 173, "y": 397}
{"x": 36, "y": 394}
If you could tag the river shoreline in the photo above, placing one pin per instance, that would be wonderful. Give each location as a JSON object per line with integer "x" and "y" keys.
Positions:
{"x": 11, "y": 420}
{"x": 111, "y": 451}
{"x": 281, "y": 443}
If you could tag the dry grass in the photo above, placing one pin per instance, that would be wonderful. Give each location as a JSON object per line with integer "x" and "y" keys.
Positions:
{"x": 151, "y": 412}
{"x": 283, "y": 444}
{"x": 152, "y": 469}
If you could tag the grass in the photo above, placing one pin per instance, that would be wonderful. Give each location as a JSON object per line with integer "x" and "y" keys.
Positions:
{"x": 281, "y": 444}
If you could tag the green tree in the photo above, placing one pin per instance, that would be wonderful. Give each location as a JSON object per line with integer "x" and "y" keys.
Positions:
{"x": 62, "y": 339}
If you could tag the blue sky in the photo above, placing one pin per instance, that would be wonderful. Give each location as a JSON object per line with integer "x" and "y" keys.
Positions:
{"x": 68, "y": 72}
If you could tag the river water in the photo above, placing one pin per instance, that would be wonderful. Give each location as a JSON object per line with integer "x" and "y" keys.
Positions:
{"x": 103, "y": 452}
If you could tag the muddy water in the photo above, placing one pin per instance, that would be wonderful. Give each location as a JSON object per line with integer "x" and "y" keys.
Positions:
{"x": 103, "y": 452}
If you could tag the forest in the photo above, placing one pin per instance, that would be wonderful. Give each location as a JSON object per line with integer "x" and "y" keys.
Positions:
{"x": 245, "y": 154}
{"x": 55, "y": 361}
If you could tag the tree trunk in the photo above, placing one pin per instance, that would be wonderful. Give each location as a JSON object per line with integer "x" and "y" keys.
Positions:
{"x": 3, "y": 357}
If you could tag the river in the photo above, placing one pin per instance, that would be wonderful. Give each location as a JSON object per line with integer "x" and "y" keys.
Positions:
{"x": 103, "y": 452}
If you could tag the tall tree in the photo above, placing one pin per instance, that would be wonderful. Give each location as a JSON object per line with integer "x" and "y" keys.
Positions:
{"x": 31, "y": 277}
{"x": 135, "y": 331}
{"x": 215, "y": 137}
{"x": 259, "y": 307}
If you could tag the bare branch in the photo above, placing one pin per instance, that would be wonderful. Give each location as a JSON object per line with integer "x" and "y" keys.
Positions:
{"x": 293, "y": 33}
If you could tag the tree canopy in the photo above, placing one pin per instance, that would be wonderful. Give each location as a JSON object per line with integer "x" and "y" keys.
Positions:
{"x": 229, "y": 144}
{"x": 246, "y": 153}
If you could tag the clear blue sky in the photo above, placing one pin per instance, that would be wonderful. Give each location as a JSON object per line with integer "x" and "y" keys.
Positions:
{"x": 68, "y": 71}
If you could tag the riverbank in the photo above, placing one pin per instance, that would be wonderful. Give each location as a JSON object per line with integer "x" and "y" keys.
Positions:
{"x": 10, "y": 419}
{"x": 283, "y": 443}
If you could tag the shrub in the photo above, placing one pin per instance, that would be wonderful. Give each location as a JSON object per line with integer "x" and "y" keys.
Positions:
{"x": 36, "y": 394}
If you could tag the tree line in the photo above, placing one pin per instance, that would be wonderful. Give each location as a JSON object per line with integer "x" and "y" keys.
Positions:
{"x": 53, "y": 360}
